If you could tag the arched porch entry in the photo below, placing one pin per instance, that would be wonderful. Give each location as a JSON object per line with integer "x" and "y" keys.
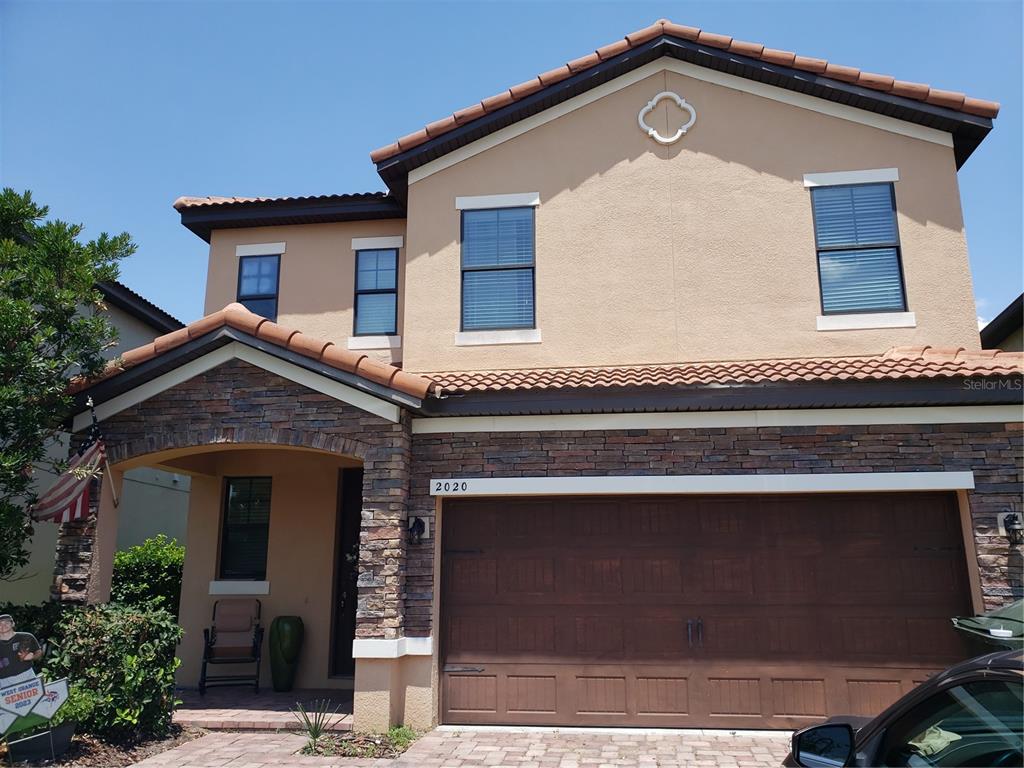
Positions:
{"x": 276, "y": 522}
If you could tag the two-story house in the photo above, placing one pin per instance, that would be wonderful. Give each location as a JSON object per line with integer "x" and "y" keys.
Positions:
{"x": 651, "y": 394}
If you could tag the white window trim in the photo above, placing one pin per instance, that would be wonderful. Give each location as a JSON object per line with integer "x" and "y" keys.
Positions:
{"x": 517, "y": 200}
{"x": 225, "y": 587}
{"x": 375, "y": 342}
{"x": 374, "y": 648}
{"x": 837, "y": 178}
{"x": 867, "y": 321}
{"x": 839, "y": 482}
{"x": 488, "y": 338}
{"x": 763, "y": 90}
{"x": 376, "y": 243}
{"x": 802, "y": 417}
{"x": 260, "y": 249}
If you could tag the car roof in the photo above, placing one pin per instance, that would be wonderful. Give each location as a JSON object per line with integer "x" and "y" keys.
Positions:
{"x": 1011, "y": 661}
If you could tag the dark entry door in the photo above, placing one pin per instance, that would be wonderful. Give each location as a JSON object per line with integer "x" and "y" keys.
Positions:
{"x": 346, "y": 570}
{"x": 715, "y": 611}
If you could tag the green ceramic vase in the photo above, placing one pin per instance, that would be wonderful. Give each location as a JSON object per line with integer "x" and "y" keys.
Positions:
{"x": 285, "y": 646}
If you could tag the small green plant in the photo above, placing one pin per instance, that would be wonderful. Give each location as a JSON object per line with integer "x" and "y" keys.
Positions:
{"x": 149, "y": 572}
{"x": 367, "y": 745}
{"x": 401, "y": 736}
{"x": 316, "y": 721}
{"x": 78, "y": 708}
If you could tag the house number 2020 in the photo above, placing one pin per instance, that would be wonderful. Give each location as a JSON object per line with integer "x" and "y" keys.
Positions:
{"x": 450, "y": 486}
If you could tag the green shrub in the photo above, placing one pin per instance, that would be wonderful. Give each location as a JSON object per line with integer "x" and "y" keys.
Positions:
{"x": 124, "y": 655}
{"x": 149, "y": 572}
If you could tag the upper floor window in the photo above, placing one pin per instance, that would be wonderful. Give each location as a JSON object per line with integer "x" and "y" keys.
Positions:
{"x": 376, "y": 292}
{"x": 497, "y": 269}
{"x": 257, "y": 284}
{"x": 245, "y": 528}
{"x": 858, "y": 249}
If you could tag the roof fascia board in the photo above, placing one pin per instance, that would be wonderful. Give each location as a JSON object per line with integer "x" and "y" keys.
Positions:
{"x": 697, "y": 72}
{"x": 1003, "y": 324}
{"x": 827, "y": 394}
{"x": 203, "y": 219}
{"x": 967, "y": 414}
{"x": 139, "y": 308}
{"x": 241, "y": 350}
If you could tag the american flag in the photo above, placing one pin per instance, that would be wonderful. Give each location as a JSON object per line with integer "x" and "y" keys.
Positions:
{"x": 68, "y": 499}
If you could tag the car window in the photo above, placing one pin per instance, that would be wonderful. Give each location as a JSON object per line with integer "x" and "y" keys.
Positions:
{"x": 974, "y": 724}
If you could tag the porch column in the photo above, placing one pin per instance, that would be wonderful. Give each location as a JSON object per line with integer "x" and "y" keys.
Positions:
{"x": 85, "y": 548}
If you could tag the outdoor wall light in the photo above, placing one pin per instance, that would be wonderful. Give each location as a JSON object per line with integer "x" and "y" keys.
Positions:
{"x": 1014, "y": 529}
{"x": 416, "y": 530}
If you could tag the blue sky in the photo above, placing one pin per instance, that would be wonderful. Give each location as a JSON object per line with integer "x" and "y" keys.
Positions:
{"x": 110, "y": 110}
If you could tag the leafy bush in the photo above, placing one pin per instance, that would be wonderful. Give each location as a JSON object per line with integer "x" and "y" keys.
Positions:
{"x": 149, "y": 572}
{"x": 125, "y": 656}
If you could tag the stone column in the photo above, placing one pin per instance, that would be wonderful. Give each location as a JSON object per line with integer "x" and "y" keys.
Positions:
{"x": 85, "y": 548}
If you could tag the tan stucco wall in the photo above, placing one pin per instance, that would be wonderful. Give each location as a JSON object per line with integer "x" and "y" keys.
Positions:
{"x": 317, "y": 288}
{"x": 394, "y": 692}
{"x": 700, "y": 250}
{"x": 300, "y": 553}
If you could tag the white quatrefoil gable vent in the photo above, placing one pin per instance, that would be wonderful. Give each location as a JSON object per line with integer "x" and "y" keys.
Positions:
{"x": 653, "y": 132}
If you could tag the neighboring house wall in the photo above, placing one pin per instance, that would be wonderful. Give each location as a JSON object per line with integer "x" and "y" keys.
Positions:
{"x": 1014, "y": 342}
{"x": 702, "y": 250}
{"x": 317, "y": 280}
{"x": 153, "y": 502}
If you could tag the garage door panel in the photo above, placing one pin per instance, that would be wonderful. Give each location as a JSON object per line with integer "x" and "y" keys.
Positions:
{"x": 733, "y": 612}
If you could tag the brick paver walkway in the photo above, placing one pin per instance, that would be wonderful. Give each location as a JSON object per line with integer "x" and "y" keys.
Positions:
{"x": 239, "y": 709}
{"x": 451, "y": 748}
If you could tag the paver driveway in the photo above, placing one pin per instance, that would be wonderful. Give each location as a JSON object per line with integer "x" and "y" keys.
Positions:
{"x": 514, "y": 748}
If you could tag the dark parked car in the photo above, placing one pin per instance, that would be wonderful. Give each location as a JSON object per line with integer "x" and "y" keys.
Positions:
{"x": 970, "y": 715}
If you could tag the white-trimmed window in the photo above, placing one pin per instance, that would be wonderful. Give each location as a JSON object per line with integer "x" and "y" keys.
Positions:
{"x": 258, "y": 278}
{"x": 858, "y": 248}
{"x": 245, "y": 529}
{"x": 376, "y": 304}
{"x": 498, "y": 269}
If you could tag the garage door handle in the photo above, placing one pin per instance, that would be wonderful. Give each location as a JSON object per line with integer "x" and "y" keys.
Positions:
{"x": 449, "y": 668}
{"x": 689, "y": 632}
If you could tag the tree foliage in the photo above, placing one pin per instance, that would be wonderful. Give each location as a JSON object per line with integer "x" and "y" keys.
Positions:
{"x": 51, "y": 328}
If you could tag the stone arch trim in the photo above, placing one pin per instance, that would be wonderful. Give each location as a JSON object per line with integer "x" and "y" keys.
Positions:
{"x": 119, "y": 451}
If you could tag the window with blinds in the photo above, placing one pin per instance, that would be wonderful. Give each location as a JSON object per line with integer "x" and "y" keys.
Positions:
{"x": 497, "y": 269}
{"x": 257, "y": 284}
{"x": 376, "y": 292}
{"x": 858, "y": 249}
{"x": 245, "y": 528}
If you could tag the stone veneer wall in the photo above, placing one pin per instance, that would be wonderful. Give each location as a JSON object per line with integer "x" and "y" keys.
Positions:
{"x": 241, "y": 403}
{"x": 992, "y": 451}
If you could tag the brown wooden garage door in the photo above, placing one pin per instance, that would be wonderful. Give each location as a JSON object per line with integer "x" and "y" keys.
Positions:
{"x": 754, "y": 612}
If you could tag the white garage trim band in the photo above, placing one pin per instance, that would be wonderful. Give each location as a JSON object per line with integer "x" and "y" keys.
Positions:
{"x": 664, "y": 484}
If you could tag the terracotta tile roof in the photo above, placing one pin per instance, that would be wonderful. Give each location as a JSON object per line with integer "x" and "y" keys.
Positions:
{"x": 238, "y": 317}
{"x": 897, "y": 363}
{"x": 195, "y": 202}
{"x": 883, "y": 83}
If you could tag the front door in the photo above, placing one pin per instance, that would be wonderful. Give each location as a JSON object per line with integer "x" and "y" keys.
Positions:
{"x": 346, "y": 570}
